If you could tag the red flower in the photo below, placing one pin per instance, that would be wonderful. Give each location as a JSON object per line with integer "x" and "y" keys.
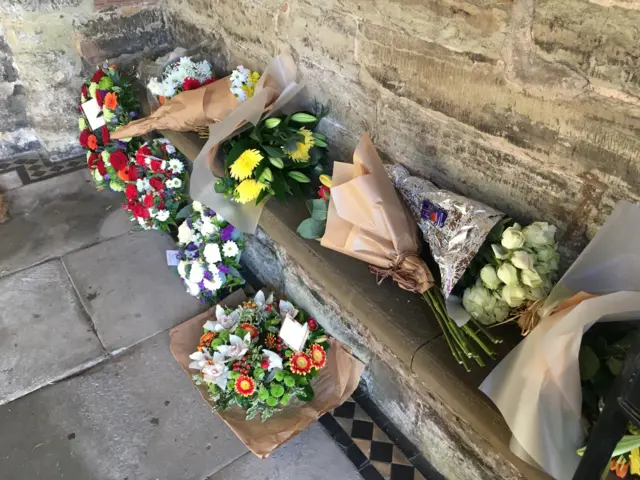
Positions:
{"x": 91, "y": 161}
{"x": 155, "y": 165}
{"x": 140, "y": 212}
{"x": 209, "y": 80}
{"x": 253, "y": 330}
{"x": 300, "y": 363}
{"x": 92, "y": 142}
{"x": 190, "y": 84}
{"x": 84, "y": 137}
{"x": 313, "y": 325}
{"x": 318, "y": 356}
{"x": 245, "y": 386}
{"x": 106, "y": 137}
{"x": 142, "y": 153}
{"x": 324, "y": 192}
{"x": 157, "y": 184}
{"x": 132, "y": 171}
{"x": 99, "y": 98}
{"x": 84, "y": 91}
{"x": 131, "y": 192}
{"x": 118, "y": 160}
{"x": 264, "y": 364}
{"x": 148, "y": 200}
{"x": 80, "y": 108}
{"x": 101, "y": 168}
{"x": 97, "y": 76}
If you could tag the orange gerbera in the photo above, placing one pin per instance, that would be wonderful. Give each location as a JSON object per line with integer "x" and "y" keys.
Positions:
{"x": 245, "y": 386}
{"x": 318, "y": 356}
{"x": 252, "y": 329}
{"x": 92, "y": 142}
{"x": 300, "y": 363}
{"x": 205, "y": 340}
{"x": 111, "y": 101}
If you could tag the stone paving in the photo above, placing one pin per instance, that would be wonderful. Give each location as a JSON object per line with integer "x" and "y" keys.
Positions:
{"x": 88, "y": 386}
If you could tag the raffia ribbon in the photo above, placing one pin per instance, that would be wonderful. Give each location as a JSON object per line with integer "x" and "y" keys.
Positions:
{"x": 408, "y": 270}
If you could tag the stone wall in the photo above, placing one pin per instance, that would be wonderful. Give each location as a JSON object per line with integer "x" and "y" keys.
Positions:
{"x": 529, "y": 105}
{"x": 47, "y": 47}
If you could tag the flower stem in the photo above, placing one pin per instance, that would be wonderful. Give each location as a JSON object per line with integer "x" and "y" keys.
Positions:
{"x": 486, "y": 331}
{"x": 479, "y": 341}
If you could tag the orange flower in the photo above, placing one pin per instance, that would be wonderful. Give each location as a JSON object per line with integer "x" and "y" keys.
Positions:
{"x": 205, "y": 340}
{"x": 252, "y": 329}
{"x": 318, "y": 356}
{"x": 124, "y": 174}
{"x": 92, "y": 142}
{"x": 111, "y": 101}
{"x": 245, "y": 386}
{"x": 300, "y": 363}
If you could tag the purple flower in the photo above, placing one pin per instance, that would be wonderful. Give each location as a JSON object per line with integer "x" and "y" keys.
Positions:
{"x": 223, "y": 268}
{"x": 133, "y": 114}
{"x": 192, "y": 246}
{"x": 106, "y": 176}
{"x": 208, "y": 275}
{"x": 114, "y": 120}
{"x": 104, "y": 92}
{"x": 211, "y": 212}
{"x": 226, "y": 232}
{"x": 201, "y": 285}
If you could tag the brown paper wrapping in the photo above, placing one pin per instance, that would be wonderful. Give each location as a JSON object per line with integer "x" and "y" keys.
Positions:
{"x": 337, "y": 381}
{"x": 368, "y": 221}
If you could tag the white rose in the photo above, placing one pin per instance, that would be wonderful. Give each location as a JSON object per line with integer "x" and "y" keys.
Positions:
{"x": 546, "y": 253}
{"x": 489, "y": 277}
{"x": 197, "y": 206}
{"x": 522, "y": 260}
{"x": 475, "y": 299}
{"x": 185, "y": 234}
{"x": 208, "y": 228}
{"x": 539, "y": 234}
{"x": 500, "y": 252}
{"x": 514, "y": 295}
{"x": 508, "y": 274}
{"x": 512, "y": 238}
{"x": 197, "y": 272}
{"x": 212, "y": 253}
{"x": 531, "y": 278}
{"x": 182, "y": 268}
{"x": 548, "y": 267}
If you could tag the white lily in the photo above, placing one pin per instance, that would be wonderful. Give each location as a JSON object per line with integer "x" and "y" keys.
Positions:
{"x": 200, "y": 360}
{"x": 224, "y": 321}
{"x": 260, "y": 300}
{"x": 287, "y": 309}
{"x": 275, "y": 360}
{"x": 215, "y": 371}
{"x": 238, "y": 347}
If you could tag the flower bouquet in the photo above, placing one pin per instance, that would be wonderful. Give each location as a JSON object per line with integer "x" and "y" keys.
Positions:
{"x": 209, "y": 250}
{"x": 156, "y": 183}
{"x": 107, "y": 102}
{"x": 180, "y": 76}
{"x": 276, "y": 157}
{"x": 243, "y": 368}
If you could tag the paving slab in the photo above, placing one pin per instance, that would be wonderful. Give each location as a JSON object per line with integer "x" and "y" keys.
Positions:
{"x": 128, "y": 290}
{"x": 44, "y": 332}
{"x": 51, "y": 218}
{"x": 312, "y": 455}
{"x": 136, "y": 417}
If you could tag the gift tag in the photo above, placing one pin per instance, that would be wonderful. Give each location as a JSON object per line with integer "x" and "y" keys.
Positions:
{"x": 294, "y": 334}
{"x": 91, "y": 111}
{"x": 173, "y": 258}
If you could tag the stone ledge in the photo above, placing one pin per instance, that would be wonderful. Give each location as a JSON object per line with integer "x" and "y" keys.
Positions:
{"x": 414, "y": 339}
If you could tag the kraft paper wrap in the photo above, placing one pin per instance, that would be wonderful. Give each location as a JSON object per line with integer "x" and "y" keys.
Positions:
{"x": 368, "y": 221}
{"x": 336, "y": 383}
{"x": 537, "y": 386}
{"x": 276, "y": 94}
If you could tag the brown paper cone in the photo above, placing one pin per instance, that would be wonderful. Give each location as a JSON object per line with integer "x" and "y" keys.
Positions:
{"x": 337, "y": 381}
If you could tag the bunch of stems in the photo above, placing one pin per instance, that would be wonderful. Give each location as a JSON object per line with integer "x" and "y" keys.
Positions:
{"x": 463, "y": 341}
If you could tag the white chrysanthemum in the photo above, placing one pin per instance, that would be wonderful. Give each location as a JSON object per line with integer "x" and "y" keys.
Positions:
{"x": 162, "y": 215}
{"x": 192, "y": 288}
{"x": 197, "y": 272}
{"x": 173, "y": 183}
{"x": 185, "y": 234}
{"x": 182, "y": 268}
{"x": 215, "y": 284}
{"x": 239, "y": 93}
{"x": 230, "y": 249}
{"x": 212, "y": 253}
{"x": 143, "y": 185}
{"x": 176, "y": 166}
{"x": 169, "y": 89}
{"x": 170, "y": 148}
{"x": 155, "y": 87}
{"x": 143, "y": 223}
{"x": 208, "y": 227}
{"x": 197, "y": 206}
{"x": 204, "y": 70}
{"x": 213, "y": 269}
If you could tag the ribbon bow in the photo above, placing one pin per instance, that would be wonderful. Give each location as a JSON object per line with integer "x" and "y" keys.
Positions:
{"x": 408, "y": 270}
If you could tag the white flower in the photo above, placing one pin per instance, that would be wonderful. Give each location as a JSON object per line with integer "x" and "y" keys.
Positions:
{"x": 260, "y": 301}
{"x": 169, "y": 89}
{"x": 192, "y": 288}
{"x": 508, "y": 274}
{"x": 237, "y": 348}
{"x": 531, "y": 278}
{"x": 275, "y": 360}
{"x": 500, "y": 252}
{"x": 200, "y": 360}
{"x": 239, "y": 93}
{"x": 162, "y": 215}
{"x": 230, "y": 249}
{"x": 213, "y": 268}
{"x": 155, "y": 87}
{"x": 512, "y": 238}
{"x": 197, "y": 206}
{"x": 514, "y": 295}
{"x": 182, "y": 268}
{"x": 176, "y": 166}
{"x": 171, "y": 149}
{"x": 548, "y": 267}
{"x": 208, "y": 228}
{"x": 287, "y": 309}
{"x": 483, "y": 306}
{"x": 211, "y": 252}
{"x": 143, "y": 223}
{"x": 522, "y": 260}
{"x": 539, "y": 234}
{"x": 224, "y": 321}
{"x": 185, "y": 234}
{"x": 203, "y": 70}
{"x": 218, "y": 218}
{"x": 217, "y": 282}
{"x": 197, "y": 272}
{"x": 216, "y": 371}
{"x": 142, "y": 184}
{"x": 489, "y": 277}
{"x": 173, "y": 183}
{"x": 546, "y": 253}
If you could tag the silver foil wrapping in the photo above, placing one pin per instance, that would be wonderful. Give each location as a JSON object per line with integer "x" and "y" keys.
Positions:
{"x": 455, "y": 227}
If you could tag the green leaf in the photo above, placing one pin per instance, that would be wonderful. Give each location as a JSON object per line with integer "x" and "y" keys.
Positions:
{"x": 185, "y": 212}
{"x": 589, "y": 363}
{"x": 615, "y": 365}
{"x": 319, "y": 209}
{"x": 320, "y": 143}
{"x": 307, "y": 394}
{"x": 235, "y": 152}
{"x": 311, "y": 229}
{"x": 273, "y": 152}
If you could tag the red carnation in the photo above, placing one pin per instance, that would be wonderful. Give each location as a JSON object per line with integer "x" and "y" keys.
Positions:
{"x": 264, "y": 364}
{"x": 190, "y": 84}
{"x": 131, "y": 192}
{"x": 97, "y": 76}
{"x": 84, "y": 137}
{"x": 118, "y": 160}
{"x": 140, "y": 212}
{"x": 84, "y": 91}
{"x": 148, "y": 200}
{"x": 313, "y": 325}
{"x": 91, "y": 161}
{"x": 161, "y": 206}
{"x": 155, "y": 165}
{"x": 101, "y": 168}
{"x": 133, "y": 173}
{"x": 209, "y": 80}
{"x": 142, "y": 153}
{"x": 99, "y": 98}
{"x": 157, "y": 184}
{"x": 106, "y": 138}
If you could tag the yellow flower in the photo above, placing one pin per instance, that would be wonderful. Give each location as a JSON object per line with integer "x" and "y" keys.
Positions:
{"x": 248, "y": 89}
{"x": 326, "y": 180}
{"x": 301, "y": 154}
{"x": 248, "y": 190}
{"x": 635, "y": 461}
{"x": 245, "y": 164}
{"x": 254, "y": 77}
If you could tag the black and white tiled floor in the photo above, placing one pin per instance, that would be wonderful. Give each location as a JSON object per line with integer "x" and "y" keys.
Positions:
{"x": 376, "y": 448}
{"x": 33, "y": 167}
